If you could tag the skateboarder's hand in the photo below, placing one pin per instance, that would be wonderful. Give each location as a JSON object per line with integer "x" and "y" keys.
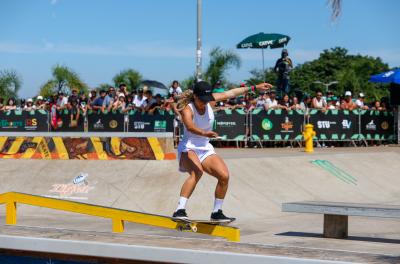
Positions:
{"x": 211, "y": 134}
{"x": 263, "y": 86}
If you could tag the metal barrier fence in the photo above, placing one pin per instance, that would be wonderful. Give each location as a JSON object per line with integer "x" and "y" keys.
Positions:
{"x": 232, "y": 125}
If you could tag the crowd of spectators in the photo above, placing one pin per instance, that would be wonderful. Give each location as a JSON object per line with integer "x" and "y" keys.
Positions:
{"x": 145, "y": 101}
{"x": 269, "y": 100}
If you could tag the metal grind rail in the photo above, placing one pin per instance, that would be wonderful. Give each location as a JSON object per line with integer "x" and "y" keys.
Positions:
{"x": 117, "y": 216}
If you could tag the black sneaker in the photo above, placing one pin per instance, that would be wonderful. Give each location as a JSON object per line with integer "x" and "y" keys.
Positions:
{"x": 180, "y": 214}
{"x": 220, "y": 217}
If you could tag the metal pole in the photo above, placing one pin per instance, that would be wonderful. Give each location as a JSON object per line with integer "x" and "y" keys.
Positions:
{"x": 198, "y": 51}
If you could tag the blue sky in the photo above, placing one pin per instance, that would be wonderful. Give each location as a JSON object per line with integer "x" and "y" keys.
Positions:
{"x": 98, "y": 38}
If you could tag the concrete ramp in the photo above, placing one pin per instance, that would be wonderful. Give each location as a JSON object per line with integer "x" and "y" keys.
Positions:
{"x": 261, "y": 180}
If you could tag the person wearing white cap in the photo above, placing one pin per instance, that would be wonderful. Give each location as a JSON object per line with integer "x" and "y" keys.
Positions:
{"x": 360, "y": 102}
{"x": 29, "y": 106}
{"x": 40, "y": 104}
{"x": 347, "y": 103}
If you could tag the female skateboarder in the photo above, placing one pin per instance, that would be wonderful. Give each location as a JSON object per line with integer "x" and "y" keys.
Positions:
{"x": 195, "y": 154}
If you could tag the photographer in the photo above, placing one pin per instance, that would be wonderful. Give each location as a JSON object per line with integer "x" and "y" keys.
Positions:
{"x": 283, "y": 67}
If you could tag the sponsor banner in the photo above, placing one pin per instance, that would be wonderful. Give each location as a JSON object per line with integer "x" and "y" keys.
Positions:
{"x": 276, "y": 124}
{"x": 160, "y": 121}
{"x": 87, "y": 148}
{"x": 335, "y": 124}
{"x": 60, "y": 121}
{"x": 106, "y": 122}
{"x": 24, "y": 121}
{"x": 231, "y": 124}
{"x": 377, "y": 125}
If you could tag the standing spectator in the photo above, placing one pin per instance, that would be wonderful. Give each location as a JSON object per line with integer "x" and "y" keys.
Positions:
{"x": 120, "y": 104}
{"x": 283, "y": 66}
{"x": 360, "y": 102}
{"x": 159, "y": 105}
{"x": 306, "y": 103}
{"x": 123, "y": 89}
{"x": 99, "y": 101}
{"x": 261, "y": 100}
{"x": 218, "y": 87}
{"x": 62, "y": 101}
{"x": 129, "y": 103}
{"x": 285, "y": 102}
{"x": 73, "y": 97}
{"x": 318, "y": 102}
{"x": 330, "y": 104}
{"x": 139, "y": 99}
{"x": 1, "y": 103}
{"x": 347, "y": 103}
{"x": 92, "y": 97}
{"x": 377, "y": 106}
{"x": 109, "y": 99}
{"x": 271, "y": 102}
{"x": 175, "y": 89}
{"x": 149, "y": 103}
{"x": 74, "y": 113}
{"x": 83, "y": 102}
{"x": 40, "y": 103}
{"x": 295, "y": 104}
{"x": 29, "y": 105}
{"x": 10, "y": 105}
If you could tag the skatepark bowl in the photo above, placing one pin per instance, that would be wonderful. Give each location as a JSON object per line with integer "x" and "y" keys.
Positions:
{"x": 52, "y": 216}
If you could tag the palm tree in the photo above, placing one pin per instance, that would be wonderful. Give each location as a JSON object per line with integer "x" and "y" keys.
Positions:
{"x": 220, "y": 61}
{"x": 10, "y": 83}
{"x": 129, "y": 77}
{"x": 64, "y": 80}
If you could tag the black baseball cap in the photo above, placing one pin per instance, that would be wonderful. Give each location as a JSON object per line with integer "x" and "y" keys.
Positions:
{"x": 203, "y": 91}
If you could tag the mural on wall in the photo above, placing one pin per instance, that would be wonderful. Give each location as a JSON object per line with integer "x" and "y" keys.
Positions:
{"x": 90, "y": 148}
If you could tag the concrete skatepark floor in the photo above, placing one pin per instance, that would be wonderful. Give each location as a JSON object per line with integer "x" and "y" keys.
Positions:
{"x": 261, "y": 180}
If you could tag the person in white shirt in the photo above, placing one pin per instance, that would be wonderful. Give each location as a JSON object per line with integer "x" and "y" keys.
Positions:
{"x": 175, "y": 89}
{"x": 271, "y": 102}
{"x": 29, "y": 106}
{"x": 360, "y": 102}
{"x": 139, "y": 99}
{"x": 62, "y": 101}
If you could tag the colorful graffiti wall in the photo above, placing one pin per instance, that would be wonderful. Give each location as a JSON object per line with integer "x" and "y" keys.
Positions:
{"x": 89, "y": 148}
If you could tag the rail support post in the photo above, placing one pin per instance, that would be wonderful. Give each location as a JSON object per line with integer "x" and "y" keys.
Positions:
{"x": 11, "y": 213}
{"x": 117, "y": 225}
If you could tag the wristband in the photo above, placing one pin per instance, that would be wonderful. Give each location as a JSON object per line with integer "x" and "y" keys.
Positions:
{"x": 250, "y": 88}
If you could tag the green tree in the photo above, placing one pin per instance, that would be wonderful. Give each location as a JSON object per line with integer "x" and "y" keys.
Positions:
{"x": 188, "y": 82}
{"x": 220, "y": 61}
{"x": 10, "y": 83}
{"x": 129, "y": 77}
{"x": 64, "y": 80}
{"x": 351, "y": 71}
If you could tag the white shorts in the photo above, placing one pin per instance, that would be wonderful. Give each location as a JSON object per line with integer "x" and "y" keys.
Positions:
{"x": 202, "y": 153}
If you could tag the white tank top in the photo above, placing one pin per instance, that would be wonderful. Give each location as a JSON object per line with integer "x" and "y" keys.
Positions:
{"x": 204, "y": 122}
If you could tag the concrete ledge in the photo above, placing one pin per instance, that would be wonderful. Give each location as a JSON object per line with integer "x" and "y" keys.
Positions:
{"x": 134, "y": 252}
{"x": 350, "y": 209}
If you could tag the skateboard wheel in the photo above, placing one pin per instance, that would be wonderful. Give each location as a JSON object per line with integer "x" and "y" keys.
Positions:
{"x": 194, "y": 229}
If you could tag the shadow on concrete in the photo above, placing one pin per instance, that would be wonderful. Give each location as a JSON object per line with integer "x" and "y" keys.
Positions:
{"x": 355, "y": 238}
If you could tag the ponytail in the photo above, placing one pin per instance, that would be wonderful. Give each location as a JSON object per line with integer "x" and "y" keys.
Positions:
{"x": 184, "y": 99}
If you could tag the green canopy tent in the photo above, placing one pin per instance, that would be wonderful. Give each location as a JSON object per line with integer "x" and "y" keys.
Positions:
{"x": 263, "y": 41}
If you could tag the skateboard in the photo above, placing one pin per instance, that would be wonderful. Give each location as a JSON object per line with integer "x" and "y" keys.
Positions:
{"x": 191, "y": 224}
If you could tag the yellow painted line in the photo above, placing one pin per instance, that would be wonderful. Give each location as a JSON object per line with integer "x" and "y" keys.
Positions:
{"x": 98, "y": 146}
{"x": 30, "y": 151}
{"x": 3, "y": 141}
{"x": 44, "y": 149}
{"x": 15, "y": 146}
{"x": 156, "y": 147}
{"x": 115, "y": 145}
{"x": 60, "y": 147}
{"x": 118, "y": 216}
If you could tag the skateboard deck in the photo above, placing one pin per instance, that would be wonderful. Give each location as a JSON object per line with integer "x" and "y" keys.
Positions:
{"x": 191, "y": 224}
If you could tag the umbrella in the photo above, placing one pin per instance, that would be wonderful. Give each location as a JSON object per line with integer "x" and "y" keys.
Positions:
{"x": 392, "y": 76}
{"x": 263, "y": 41}
{"x": 156, "y": 87}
